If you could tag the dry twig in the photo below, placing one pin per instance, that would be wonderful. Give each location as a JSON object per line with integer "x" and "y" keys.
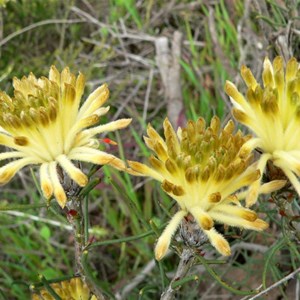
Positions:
{"x": 281, "y": 281}
{"x": 186, "y": 261}
{"x": 169, "y": 67}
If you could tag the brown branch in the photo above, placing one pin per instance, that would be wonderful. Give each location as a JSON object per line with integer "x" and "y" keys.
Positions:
{"x": 186, "y": 262}
{"x": 168, "y": 62}
{"x": 281, "y": 281}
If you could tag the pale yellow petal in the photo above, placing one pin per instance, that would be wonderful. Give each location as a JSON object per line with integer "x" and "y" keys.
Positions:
{"x": 272, "y": 186}
{"x": 54, "y": 75}
{"x": 268, "y": 73}
{"x": 253, "y": 191}
{"x": 46, "y": 184}
{"x": 249, "y": 146}
{"x": 235, "y": 211}
{"x": 248, "y": 77}
{"x": 111, "y": 126}
{"x": 8, "y": 171}
{"x": 11, "y": 154}
{"x": 120, "y": 165}
{"x": 172, "y": 141}
{"x": 102, "y": 111}
{"x": 202, "y": 217}
{"x": 7, "y": 140}
{"x": 58, "y": 190}
{"x": 293, "y": 179}
{"x": 243, "y": 180}
{"x": 80, "y": 84}
{"x": 218, "y": 241}
{"x": 144, "y": 170}
{"x": 78, "y": 289}
{"x": 154, "y": 135}
{"x": 95, "y": 100}
{"x": 236, "y": 221}
{"x": 164, "y": 240}
{"x": 289, "y": 159}
{"x": 236, "y": 97}
{"x": 75, "y": 173}
{"x": 91, "y": 155}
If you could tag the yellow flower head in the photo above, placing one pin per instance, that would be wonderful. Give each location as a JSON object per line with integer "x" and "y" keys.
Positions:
{"x": 272, "y": 112}
{"x": 202, "y": 168}
{"x": 45, "y": 124}
{"x": 74, "y": 289}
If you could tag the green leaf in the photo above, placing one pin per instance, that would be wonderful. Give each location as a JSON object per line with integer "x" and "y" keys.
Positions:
{"x": 45, "y": 232}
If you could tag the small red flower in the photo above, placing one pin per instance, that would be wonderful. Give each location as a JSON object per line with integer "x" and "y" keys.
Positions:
{"x": 109, "y": 141}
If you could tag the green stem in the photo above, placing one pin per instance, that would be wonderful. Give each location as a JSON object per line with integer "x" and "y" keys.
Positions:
{"x": 50, "y": 281}
{"x": 49, "y": 288}
{"x": 186, "y": 279}
{"x": 76, "y": 220}
{"x": 121, "y": 240}
{"x": 79, "y": 221}
{"x": 19, "y": 207}
{"x": 222, "y": 282}
{"x": 89, "y": 277}
{"x": 86, "y": 219}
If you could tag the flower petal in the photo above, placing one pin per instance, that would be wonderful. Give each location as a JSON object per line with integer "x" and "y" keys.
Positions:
{"x": 90, "y": 155}
{"x": 11, "y": 154}
{"x": 46, "y": 184}
{"x": 59, "y": 192}
{"x": 255, "y": 186}
{"x": 75, "y": 173}
{"x": 236, "y": 97}
{"x": 94, "y": 101}
{"x": 8, "y": 171}
{"x": 235, "y": 211}
{"x": 164, "y": 240}
{"x": 236, "y": 221}
{"x": 111, "y": 126}
{"x": 202, "y": 217}
{"x": 144, "y": 170}
{"x": 218, "y": 241}
{"x": 292, "y": 177}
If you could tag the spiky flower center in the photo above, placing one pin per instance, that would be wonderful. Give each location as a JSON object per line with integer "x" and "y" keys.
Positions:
{"x": 42, "y": 115}
{"x": 34, "y": 103}
{"x": 271, "y": 111}
{"x": 196, "y": 165}
{"x": 209, "y": 152}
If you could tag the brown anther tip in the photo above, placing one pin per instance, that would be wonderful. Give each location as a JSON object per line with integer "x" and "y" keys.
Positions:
{"x": 21, "y": 140}
{"x": 206, "y": 222}
{"x": 249, "y": 215}
{"x": 215, "y": 197}
{"x": 178, "y": 190}
{"x": 167, "y": 186}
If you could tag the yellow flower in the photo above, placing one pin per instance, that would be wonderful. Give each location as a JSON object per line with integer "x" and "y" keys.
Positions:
{"x": 202, "y": 169}
{"x": 74, "y": 289}
{"x": 45, "y": 125}
{"x": 272, "y": 112}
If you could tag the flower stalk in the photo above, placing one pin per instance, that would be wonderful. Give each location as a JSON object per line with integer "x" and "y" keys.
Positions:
{"x": 187, "y": 259}
{"x": 77, "y": 217}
